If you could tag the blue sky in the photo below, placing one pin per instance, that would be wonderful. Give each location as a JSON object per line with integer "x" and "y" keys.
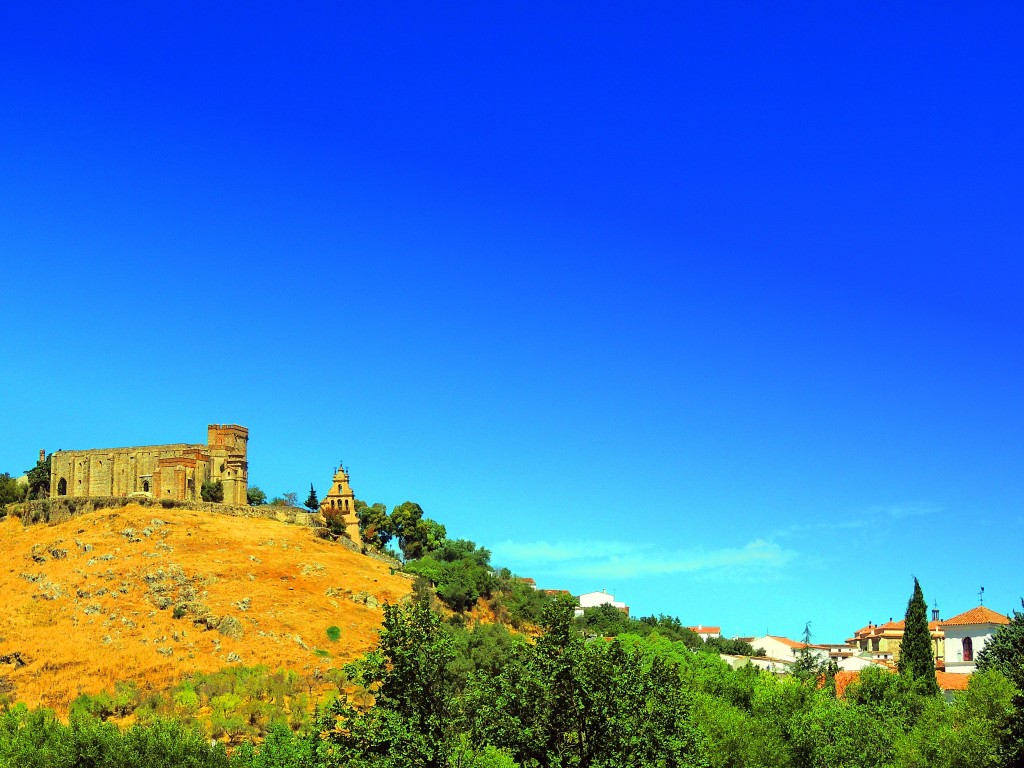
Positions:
{"x": 721, "y": 310}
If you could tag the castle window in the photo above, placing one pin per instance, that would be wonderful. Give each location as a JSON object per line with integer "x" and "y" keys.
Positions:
{"x": 62, "y": 487}
{"x": 968, "y": 649}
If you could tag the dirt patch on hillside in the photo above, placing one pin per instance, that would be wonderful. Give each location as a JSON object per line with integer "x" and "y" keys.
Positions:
{"x": 154, "y": 595}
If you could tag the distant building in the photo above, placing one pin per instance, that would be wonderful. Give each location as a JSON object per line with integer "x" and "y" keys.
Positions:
{"x": 966, "y": 634}
{"x": 882, "y": 641}
{"x": 340, "y": 501}
{"x": 782, "y": 649}
{"x": 706, "y": 632}
{"x": 594, "y": 599}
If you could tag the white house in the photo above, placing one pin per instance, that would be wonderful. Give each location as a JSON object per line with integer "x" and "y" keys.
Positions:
{"x": 706, "y": 633}
{"x": 966, "y": 634}
{"x": 857, "y": 663}
{"x": 594, "y": 599}
{"x": 784, "y": 649}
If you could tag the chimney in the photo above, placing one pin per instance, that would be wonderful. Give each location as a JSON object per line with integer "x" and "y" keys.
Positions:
{"x": 42, "y": 455}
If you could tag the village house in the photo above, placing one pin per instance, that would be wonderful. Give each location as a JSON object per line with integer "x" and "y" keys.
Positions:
{"x": 784, "y": 650}
{"x": 706, "y": 633}
{"x": 882, "y": 641}
{"x": 966, "y": 634}
{"x": 594, "y": 599}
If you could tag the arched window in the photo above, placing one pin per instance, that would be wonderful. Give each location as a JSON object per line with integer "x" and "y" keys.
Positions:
{"x": 62, "y": 487}
{"x": 968, "y": 649}
{"x": 145, "y": 485}
{"x": 346, "y": 505}
{"x": 332, "y": 503}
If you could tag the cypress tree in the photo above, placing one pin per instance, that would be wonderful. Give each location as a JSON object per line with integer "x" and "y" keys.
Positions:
{"x": 312, "y": 502}
{"x": 916, "y": 659}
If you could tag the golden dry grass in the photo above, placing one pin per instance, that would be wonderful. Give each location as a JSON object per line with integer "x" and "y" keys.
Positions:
{"x": 79, "y": 601}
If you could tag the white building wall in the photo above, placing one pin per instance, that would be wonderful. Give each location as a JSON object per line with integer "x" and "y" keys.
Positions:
{"x": 953, "y": 644}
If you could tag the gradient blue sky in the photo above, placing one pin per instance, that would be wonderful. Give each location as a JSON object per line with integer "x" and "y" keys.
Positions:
{"x": 718, "y": 309}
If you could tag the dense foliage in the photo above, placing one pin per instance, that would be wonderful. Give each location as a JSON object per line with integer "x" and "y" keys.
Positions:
{"x": 39, "y": 479}
{"x": 10, "y": 491}
{"x": 1005, "y": 654}
{"x": 437, "y": 694}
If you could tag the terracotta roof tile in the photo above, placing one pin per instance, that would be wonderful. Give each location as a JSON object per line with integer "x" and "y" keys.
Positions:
{"x": 951, "y": 681}
{"x": 785, "y": 641}
{"x": 948, "y": 681}
{"x": 979, "y": 615}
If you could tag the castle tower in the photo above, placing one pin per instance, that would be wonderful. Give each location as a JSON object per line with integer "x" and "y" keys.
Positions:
{"x": 340, "y": 502}
{"x": 228, "y": 445}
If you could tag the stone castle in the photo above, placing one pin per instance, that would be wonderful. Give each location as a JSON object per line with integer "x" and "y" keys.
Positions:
{"x": 175, "y": 471}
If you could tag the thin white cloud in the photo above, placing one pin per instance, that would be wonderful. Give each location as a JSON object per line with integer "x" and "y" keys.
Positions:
{"x": 869, "y": 517}
{"x": 620, "y": 560}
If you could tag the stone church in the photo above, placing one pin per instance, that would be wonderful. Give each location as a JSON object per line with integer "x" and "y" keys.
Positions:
{"x": 175, "y": 471}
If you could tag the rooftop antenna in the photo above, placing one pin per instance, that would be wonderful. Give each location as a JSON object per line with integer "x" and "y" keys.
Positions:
{"x": 981, "y": 596}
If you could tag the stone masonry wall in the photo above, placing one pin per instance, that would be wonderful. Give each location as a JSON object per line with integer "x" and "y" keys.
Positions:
{"x": 59, "y": 510}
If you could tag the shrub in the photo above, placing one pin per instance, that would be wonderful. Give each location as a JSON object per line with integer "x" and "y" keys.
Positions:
{"x": 334, "y": 634}
{"x": 212, "y": 491}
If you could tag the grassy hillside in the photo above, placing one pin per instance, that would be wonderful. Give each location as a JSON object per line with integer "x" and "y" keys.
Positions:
{"x": 153, "y": 595}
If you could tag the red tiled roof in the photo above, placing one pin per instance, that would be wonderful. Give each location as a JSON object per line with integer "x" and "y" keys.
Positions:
{"x": 843, "y": 679}
{"x": 948, "y": 681}
{"x": 979, "y": 615}
{"x": 951, "y": 681}
{"x": 785, "y": 641}
{"x": 706, "y": 630}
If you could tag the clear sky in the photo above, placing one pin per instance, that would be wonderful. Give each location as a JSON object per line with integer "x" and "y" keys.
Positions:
{"x": 719, "y": 309}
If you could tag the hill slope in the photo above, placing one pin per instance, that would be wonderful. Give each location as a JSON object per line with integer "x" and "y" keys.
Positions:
{"x": 154, "y": 595}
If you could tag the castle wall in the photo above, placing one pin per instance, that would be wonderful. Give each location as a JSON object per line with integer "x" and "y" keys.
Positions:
{"x": 175, "y": 471}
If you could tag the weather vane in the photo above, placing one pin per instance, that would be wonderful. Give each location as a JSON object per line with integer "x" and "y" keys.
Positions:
{"x": 981, "y": 596}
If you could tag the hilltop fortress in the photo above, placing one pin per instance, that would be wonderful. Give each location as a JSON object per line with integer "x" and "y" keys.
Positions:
{"x": 175, "y": 472}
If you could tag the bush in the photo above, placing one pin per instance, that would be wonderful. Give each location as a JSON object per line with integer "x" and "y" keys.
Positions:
{"x": 212, "y": 491}
{"x": 334, "y": 634}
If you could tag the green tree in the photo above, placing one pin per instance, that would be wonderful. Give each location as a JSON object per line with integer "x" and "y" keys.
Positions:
{"x": 417, "y": 535}
{"x": 1005, "y": 653}
{"x": 806, "y": 668}
{"x": 916, "y": 659}
{"x": 39, "y": 478}
{"x": 374, "y": 525}
{"x": 312, "y": 502}
{"x": 10, "y": 491}
{"x": 255, "y": 496}
{"x": 212, "y": 490}
{"x": 414, "y": 721}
